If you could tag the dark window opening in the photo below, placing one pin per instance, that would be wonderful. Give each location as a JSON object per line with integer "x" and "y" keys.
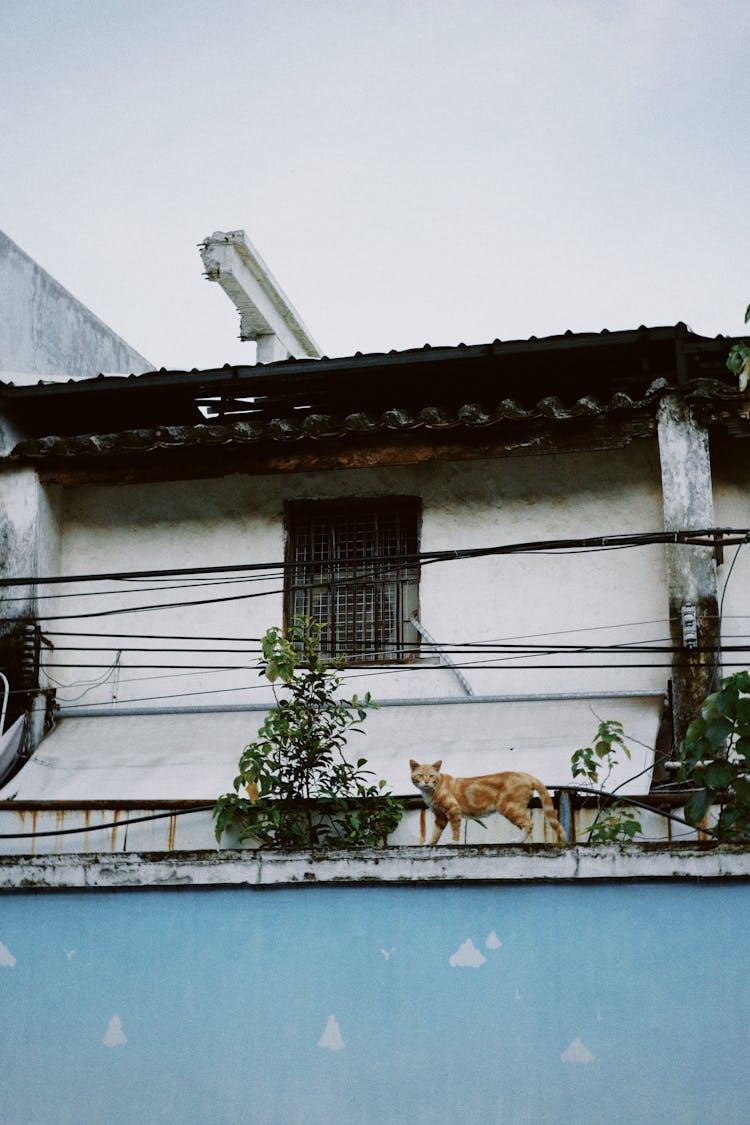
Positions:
{"x": 350, "y": 572}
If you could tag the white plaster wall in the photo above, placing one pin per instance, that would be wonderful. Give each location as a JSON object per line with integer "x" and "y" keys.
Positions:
{"x": 44, "y": 330}
{"x": 731, "y": 488}
{"x": 599, "y": 598}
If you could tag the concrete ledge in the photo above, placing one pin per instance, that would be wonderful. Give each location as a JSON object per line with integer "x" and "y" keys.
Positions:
{"x": 416, "y": 865}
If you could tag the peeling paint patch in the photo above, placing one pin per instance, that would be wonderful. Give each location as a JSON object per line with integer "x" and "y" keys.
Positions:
{"x": 577, "y": 1052}
{"x": 114, "y": 1035}
{"x": 467, "y": 956}
{"x": 7, "y": 960}
{"x": 331, "y": 1038}
{"x": 493, "y": 941}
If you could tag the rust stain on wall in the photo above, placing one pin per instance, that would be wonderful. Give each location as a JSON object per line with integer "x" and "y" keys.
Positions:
{"x": 113, "y": 832}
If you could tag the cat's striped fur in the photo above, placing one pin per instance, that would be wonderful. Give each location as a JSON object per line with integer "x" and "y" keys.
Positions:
{"x": 508, "y": 793}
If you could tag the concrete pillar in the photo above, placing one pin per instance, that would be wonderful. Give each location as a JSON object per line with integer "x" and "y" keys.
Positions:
{"x": 691, "y": 571}
{"x": 29, "y": 546}
{"x": 270, "y": 349}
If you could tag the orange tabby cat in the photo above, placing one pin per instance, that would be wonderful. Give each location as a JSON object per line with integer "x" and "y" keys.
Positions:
{"x": 508, "y": 793}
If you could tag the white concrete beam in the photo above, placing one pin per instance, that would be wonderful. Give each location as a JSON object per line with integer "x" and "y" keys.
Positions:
{"x": 266, "y": 314}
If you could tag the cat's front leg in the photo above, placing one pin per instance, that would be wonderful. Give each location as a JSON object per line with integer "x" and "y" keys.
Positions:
{"x": 440, "y": 822}
{"x": 455, "y": 819}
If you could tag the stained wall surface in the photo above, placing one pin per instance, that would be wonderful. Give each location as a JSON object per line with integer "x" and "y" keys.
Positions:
{"x": 479, "y": 1004}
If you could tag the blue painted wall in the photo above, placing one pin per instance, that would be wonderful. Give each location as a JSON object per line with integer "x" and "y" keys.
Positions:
{"x": 538, "y": 1003}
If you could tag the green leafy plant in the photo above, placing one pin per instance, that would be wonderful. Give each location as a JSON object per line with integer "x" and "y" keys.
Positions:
{"x": 738, "y": 360}
{"x": 301, "y": 789}
{"x": 715, "y": 757}
{"x": 614, "y": 821}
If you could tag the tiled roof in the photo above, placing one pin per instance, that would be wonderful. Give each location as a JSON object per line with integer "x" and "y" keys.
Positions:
{"x": 320, "y": 427}
{"x": 470, "y": 415}
{"x": 462, "y": 389}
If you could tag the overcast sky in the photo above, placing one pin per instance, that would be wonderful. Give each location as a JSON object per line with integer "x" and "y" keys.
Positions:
{"x": 412, "y": 171}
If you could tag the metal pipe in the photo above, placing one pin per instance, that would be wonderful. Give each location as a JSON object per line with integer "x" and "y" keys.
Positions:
{"x": 433, "y": 701}
{"x": 443, "y": 657}
{"x": 6, "y": 696}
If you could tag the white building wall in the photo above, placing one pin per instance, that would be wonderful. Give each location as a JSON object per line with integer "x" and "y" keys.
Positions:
{"x": 44, "y": 330}
{"x": 731, "y": 487}
{"x": 604, "y": 597}
{"x": 599, "y": 597}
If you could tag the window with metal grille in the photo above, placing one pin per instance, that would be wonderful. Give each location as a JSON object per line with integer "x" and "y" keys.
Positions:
{"x": 350, "y": 572}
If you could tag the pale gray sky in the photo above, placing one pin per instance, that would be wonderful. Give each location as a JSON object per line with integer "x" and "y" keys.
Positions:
{"x": 416, "y": 171}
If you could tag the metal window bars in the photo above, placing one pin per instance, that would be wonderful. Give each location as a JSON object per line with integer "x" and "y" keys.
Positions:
{"x": 350, "y": 574}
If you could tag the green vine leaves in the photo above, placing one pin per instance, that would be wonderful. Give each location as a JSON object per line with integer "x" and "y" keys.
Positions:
{"x": 614, "y": 822}
{"x": 715, "y": 757}
{"x": 738, "y": 360}
{"x": 302, "y": 790}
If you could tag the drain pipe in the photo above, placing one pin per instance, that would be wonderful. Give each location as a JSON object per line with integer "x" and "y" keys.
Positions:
{"x": 123, "y": 711}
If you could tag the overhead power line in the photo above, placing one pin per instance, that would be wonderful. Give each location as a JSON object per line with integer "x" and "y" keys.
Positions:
{"x": 244, "y": 639}
{"x": 704, "y": 537}
{"x": 470, "y": 666}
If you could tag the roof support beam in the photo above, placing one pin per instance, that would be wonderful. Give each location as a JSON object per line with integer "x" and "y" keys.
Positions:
{"x": 266, "y": 314}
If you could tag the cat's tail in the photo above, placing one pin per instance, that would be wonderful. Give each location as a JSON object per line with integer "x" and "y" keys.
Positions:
{"x": 549, "y": 811}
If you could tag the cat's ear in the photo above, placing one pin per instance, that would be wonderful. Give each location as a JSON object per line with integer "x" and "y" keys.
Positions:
{"x": 438, "y": 765}
{"x": 413, "y": 764}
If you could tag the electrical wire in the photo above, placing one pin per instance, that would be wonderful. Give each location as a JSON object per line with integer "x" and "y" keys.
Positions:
{"x": 142, "y": 608}
{"x": 92, "y": 686}
{"x": 512, "y": 652}
{"x": 704, "y": 537}
{"x": 246, "y": 639}
{"x": 200, "y": 584}
{"x": 718, "y": 660}
{"x": 515, "y": 652}
{"x": 512, "y": 658}
{"x": 413, "y": 668}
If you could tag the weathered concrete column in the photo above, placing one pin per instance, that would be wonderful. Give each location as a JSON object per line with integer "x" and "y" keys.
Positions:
{"x": 29, "y": 546}
{"x": 691, "y": 571}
